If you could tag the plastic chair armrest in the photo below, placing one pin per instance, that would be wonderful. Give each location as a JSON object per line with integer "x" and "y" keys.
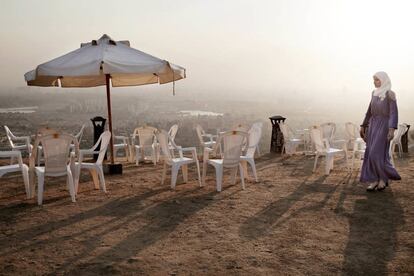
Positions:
{"x": 193, "y": 151}
{"x": 123, "y": 138}
{"x": 88, "y": 152}
{"x": 10, "y": 153}
{"x": 21, "y": 138}
{"x": 209, "y": 136}
{"x": 326, "y": 142}
{"x": 26, "y": 140}
{"x": 188, "y": 149}
{"x": 339, "y": 142}
{"x": 84, "y": 152}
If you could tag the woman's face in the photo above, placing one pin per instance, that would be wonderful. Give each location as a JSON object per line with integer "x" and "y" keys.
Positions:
{"x": 377, "y": 82}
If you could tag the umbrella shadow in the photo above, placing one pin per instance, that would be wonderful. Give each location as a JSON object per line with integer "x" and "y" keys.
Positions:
{"x": 118, "y": 208}
{"x": 163, "y": 219}
{"x": 372, "y": 238}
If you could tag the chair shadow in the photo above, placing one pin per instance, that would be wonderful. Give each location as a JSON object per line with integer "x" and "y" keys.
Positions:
{"x": 9, "y": 214}
{"x": 372, "y": 238}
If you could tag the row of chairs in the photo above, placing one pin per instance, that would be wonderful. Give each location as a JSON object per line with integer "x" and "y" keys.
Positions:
{"x": 60, "y": 152}
{"x": 322, "y": 142}
{"x": 63, "y": 157}
{"x": 23, "y": 143}
{"x": 143, "y": 141}
{"x": 158, "y": 142}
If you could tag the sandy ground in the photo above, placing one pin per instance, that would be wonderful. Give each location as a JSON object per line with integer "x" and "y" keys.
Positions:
{"x": 292, "y": 222}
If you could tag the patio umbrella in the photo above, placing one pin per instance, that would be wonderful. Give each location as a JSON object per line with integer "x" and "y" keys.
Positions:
{"x": 101, "y": 62}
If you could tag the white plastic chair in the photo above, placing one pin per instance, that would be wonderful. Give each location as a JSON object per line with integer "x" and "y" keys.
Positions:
{"x": 205, "y": 139}
{"x": 18, "y": 143}
{"x": 46, "y": 131}
{"x": 19, "y": 167}
{"x": 176, "y": 163}
{"x": 396, "y": 141}
{"x": 95, "y": 169}
{"x": 354, "y": 142}
{"x": 232, "y": 149}
{"x": 255, "y": 132}
{"x": 147, "y": 141}
{"x": 323, "y": 148}
{"x": 56, "y": 150}
{"x": 328, "y": 132}
{"x": 121, "y": 143}
{"x": 291, "y": 142}
{"x": 258, "y": 125}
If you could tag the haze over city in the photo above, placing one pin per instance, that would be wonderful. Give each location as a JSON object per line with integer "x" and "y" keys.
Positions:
{"x": 319, "y": 52}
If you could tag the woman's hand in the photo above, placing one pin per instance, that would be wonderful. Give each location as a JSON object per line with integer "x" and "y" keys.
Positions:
{"x": 362, "y": 133}
{"x": 390, "y": 135}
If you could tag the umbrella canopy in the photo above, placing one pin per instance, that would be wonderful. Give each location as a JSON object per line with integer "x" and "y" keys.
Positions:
{"x": 101, "y": 62}
{"x": 88, "y": 65}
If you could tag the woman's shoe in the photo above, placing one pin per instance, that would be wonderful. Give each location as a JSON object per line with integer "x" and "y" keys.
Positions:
{"x": 371, "y": 187}
{"x": 381, "y": 185}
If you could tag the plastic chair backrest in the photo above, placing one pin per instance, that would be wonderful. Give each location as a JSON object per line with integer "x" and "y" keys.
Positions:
{"x": 46, "y": 131}
{"x": 200, "y": 133}
{"x": 104, "y": 139}
{"x": 146, "y": 135}
{"x": 257, "y": 124}
{"x": 163, "y": 139}
{"x": 317, "y": 139}
{"x": 328, "y": 130}
{"x": 56, "y": 149}
{"x": 173, "y": 132}
{"x": 232, "y": 147}
{"x": 255, "y": 133}
{"x": 285, "y": 130}
{"x": 402, "y": 128}
{"x": 10, "y": 136}
{"x": 80, "y": 134}
{"x": 351, "y": 131}
{"x": 241, "y": 127}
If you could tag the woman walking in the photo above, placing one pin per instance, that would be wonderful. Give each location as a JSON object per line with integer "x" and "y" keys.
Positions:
{"x": 377, "y": 130}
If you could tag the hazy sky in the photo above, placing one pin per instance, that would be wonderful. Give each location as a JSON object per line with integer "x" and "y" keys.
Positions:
{"x": 292, "y": 48}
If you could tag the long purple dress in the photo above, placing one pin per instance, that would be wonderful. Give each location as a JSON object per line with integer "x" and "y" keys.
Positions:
{"x": 381, "y": 116}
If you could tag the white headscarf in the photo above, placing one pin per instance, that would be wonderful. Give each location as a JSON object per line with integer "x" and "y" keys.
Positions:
{"x": 385, "y": 85}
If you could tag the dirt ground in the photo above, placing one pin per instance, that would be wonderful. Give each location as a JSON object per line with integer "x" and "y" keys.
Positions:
{"x": 292, "y": 222}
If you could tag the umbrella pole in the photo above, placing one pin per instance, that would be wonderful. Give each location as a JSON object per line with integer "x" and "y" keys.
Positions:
{"x": 108, "y": 100}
